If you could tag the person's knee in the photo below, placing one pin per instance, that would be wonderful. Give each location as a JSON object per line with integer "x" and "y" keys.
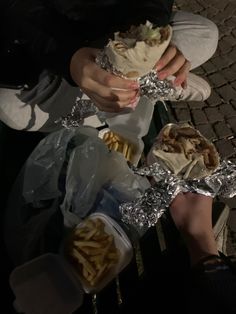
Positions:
{"x": 195, "y": 36}
{"x": 212, "y": 34}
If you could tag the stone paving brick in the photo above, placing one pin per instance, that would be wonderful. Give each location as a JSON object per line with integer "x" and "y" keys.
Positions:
{"x": 217, "y": 79}
{"x": 229, "y": 74}
{"x": 220, "y": 5}
{"x": 233, "y": 67}
{"x": 225, "y": 30}
{"x": 222, "y": 130}
{"x": 232, "y": 55}
{"x": 197, "y": 104}
{"x": 231, "y": 21}
{"x": 227, "y": 92}
{"x": 222, "y": 62}
{"x": 213, "y": 115}
{"x": 233, "y": 84}
{"x": 209, "y": 67}
{"x": 214, "y": 99}
{"x": 199, "y": 71}
{"x": 179, "y": 104}
{"x": 220, "y": 18}
{"x": 195, "y": 7}
{"x": 205, "y": 13}
{"x": 225, "y": 45}
{"x": 225, "y": 148}
{"x": 183, "y": 115}
{"x": 203, "y": 3}
{"x": 199, "y": 116}
{"x": 230, "y": 9}
{"x": 207, "y": 131}
{"x": 232, "y": 124}
{"x": 227, "y": 110}
{"x": 233, "y": 103}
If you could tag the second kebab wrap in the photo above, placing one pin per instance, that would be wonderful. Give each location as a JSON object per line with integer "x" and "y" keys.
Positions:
{"x": 185, "y": 152}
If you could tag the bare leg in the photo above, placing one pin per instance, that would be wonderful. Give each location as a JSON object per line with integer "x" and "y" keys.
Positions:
{"x": 192, "y": 214}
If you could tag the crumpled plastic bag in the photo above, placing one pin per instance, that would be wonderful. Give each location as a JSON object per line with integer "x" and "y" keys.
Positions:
{"x": 75, "y": 169}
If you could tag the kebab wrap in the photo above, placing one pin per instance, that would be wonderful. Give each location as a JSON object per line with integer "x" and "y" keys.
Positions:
{"x": 135, "y": 52}
{"x": 185, "y": 152}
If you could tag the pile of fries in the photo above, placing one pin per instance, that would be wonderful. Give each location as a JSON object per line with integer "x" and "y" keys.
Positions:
{"x": 117, "y": 143}
{"x": 93, "y": 251}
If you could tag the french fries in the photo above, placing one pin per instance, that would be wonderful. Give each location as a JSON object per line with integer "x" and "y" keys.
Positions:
{"x": 92, "y": 250}
{"x": 117, "y": 143}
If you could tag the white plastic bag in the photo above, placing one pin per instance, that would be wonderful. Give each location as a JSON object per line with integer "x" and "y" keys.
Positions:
{"x": 73, "y": 168}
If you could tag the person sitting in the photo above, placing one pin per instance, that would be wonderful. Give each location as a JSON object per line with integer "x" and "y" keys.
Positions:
{"x": 48, "y": 51}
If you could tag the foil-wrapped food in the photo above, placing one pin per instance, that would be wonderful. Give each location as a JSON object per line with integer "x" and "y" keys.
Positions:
{"x": 181, "y": 160}
{"x": 185, "y": 152}
{"x": 131, "y": 55}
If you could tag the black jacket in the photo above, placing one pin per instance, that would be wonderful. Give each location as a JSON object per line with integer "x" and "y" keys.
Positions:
{"x": 39, "y": 34}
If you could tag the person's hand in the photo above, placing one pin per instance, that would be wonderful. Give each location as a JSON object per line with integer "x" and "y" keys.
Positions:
{"x": 109, "y": 93}
{"x": 173, "y": 63}
{"x": 189, "y": 209}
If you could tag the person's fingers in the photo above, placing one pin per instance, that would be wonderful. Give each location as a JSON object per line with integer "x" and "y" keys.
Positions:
{"x": 84, "y": 70}
{"x": 109, "y": 80}
{"x": 181, "y": 74}
{"x": 184, "y": 85}
{"x": 114, "y": 95}
{"x": 172, "y": 67}
{"x": 167, "y": 56}
{"x": 116, "y": 105}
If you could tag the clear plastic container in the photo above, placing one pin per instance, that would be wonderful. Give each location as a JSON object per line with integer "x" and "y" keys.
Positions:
{"x": 46, "y": 285}
{"x": 122, "y": 243}
{"x": 51, "y": 284}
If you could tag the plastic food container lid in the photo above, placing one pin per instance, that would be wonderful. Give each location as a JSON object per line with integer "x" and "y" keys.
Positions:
{"x": 50, "y": 284}
{"x": 45, "y": 286}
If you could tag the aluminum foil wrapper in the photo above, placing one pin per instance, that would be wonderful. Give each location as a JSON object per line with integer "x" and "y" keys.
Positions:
{"x": 82, "y": 109}
{"x": 145, "y": 211}
{"x": 150, "y": 86}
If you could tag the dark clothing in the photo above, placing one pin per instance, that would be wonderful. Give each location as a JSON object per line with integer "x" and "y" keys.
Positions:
{"x": 39, "y": 34}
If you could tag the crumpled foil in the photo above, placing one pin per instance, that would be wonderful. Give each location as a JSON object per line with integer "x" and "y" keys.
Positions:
{"x": 82, "y": 109}
{"x": 150, "y": 86}
{"x": 145, "y": 211}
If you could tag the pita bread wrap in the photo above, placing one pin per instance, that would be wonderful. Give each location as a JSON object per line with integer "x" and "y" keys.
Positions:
{"x": 135, "y": 52}
{"x": 185, "y": 152}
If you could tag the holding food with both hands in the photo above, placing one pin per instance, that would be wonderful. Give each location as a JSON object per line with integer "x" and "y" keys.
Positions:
{"x": 133, "y": 54}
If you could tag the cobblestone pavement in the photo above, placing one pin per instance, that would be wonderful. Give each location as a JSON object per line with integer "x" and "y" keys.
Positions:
{"x": 216, "y": 117}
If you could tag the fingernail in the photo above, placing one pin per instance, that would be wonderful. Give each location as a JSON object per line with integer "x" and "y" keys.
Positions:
{"x": 184, "y": 85}
{"x": 162, "y": 75}
{"x": 134, "y": 85}
{"x": 158, "y": 66}
{"x": 133, "y": 100}
{"x": 177, "y": 82}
